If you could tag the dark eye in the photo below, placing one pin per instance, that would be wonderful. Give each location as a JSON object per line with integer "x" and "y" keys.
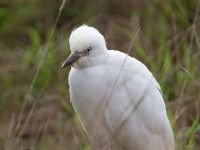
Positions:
{"x": 89, "y": 49}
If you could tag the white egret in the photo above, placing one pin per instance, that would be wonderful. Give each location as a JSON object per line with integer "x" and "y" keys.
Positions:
{"x": 118, "y": 100}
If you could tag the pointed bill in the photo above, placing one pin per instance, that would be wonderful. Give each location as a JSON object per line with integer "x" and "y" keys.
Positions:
{"x": 71, "y": 59}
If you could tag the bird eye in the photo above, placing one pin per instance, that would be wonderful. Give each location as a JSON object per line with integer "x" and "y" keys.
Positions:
{"x": 89, "y": 49}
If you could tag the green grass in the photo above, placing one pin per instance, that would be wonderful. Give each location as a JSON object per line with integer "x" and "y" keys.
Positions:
{"x": 166, "y": 43}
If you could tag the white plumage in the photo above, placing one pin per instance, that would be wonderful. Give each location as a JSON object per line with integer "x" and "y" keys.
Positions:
{"x": 119, "y": 102}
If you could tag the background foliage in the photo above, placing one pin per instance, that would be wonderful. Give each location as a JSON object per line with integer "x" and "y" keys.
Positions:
{"x": 43, "y": 118}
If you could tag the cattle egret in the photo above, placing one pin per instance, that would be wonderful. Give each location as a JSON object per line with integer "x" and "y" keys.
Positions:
{"x": 118, "y": 100}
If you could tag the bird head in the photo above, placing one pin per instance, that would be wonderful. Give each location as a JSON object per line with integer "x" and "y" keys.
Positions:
{"x": 87, "y": 47}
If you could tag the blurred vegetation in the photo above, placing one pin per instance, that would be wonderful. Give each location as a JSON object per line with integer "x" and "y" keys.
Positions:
{"x": 168, "y": 43}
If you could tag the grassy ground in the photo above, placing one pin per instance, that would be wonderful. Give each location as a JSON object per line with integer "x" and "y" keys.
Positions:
{"x": 40, "y": 116}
